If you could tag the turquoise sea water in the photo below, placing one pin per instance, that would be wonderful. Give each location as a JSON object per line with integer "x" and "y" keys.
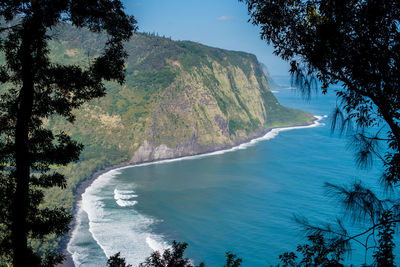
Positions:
{"x": 242, "y": 201}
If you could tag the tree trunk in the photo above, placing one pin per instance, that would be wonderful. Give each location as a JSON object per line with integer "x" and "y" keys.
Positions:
{"x": 22, "y": 256}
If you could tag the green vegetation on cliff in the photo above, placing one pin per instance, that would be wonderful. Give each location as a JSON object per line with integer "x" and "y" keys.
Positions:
{"x": 180, "y": 98}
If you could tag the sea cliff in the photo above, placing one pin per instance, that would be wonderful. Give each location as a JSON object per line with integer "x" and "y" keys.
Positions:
{"x": 180, "y": 98}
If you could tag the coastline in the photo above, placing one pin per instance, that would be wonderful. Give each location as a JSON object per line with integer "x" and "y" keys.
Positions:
{"x": 68, "y": 262}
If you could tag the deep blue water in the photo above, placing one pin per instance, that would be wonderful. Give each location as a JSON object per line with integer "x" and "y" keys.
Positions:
{"x": 242, "y": 201}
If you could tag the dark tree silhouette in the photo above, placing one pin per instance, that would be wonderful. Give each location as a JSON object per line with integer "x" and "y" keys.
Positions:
{"x": 36, "y": 88}
{"x": 117, "y": 261}
{"x": 232, "y": 260}
{"x": 355, "y": 44}
{"x": 171, "y": 257}
{"x": 384, "y": 255}
{"x": 319, "y": 252}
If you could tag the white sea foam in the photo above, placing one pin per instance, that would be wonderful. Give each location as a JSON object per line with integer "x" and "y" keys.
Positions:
{"x": 71, "y": 247}
{"x": 124, "y": 194}
{"x": 81, "y": 243}
{"x": 124, "y": 197}
{"x": 126, "y": 231}
{"x": 159, "y": 246}
{"x": 124, "y": 191}
{"x": 288, "y": 87}
{"x": 125, "y": 203}
{"x": 274, "y": 91}
{"x": 92, "y": 204}
{"x": 116, "y": 197}
{"x": 114, "y": 230}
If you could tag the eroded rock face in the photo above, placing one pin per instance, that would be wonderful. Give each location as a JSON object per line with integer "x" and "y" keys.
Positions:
{"x": 222, "y": 124}
{"x": 162, "y": 152}
{"x": 144, "y": 153}
{"x": 148, "y": 152}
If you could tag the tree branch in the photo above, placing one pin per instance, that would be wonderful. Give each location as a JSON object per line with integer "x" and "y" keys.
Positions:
{"x": 3, "y": 29}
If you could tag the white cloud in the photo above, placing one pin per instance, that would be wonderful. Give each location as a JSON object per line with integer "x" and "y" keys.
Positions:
{"x": 225, "y": 18}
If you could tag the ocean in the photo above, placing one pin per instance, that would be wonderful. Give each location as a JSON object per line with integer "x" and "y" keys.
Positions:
{"x": 242, "y": 200}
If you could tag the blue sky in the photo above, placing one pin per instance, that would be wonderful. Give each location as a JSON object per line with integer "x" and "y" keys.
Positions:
{"x": 218, "y": 23}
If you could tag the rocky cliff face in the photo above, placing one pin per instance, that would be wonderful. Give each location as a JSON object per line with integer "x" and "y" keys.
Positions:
{"x": 195, "y": 115}
{"x": 180, "y": 98}
{"x": 268, "y": 76}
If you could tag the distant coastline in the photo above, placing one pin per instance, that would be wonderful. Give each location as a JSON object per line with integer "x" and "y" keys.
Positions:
{"x": 240, "y": 145}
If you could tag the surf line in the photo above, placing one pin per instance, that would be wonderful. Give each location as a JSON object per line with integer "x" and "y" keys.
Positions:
{"x": 269, "y": 135}
{"x": 104, "y": 178}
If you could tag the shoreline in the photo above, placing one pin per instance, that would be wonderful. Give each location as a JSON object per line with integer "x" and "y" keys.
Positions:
{"x": 68, "y": 262}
